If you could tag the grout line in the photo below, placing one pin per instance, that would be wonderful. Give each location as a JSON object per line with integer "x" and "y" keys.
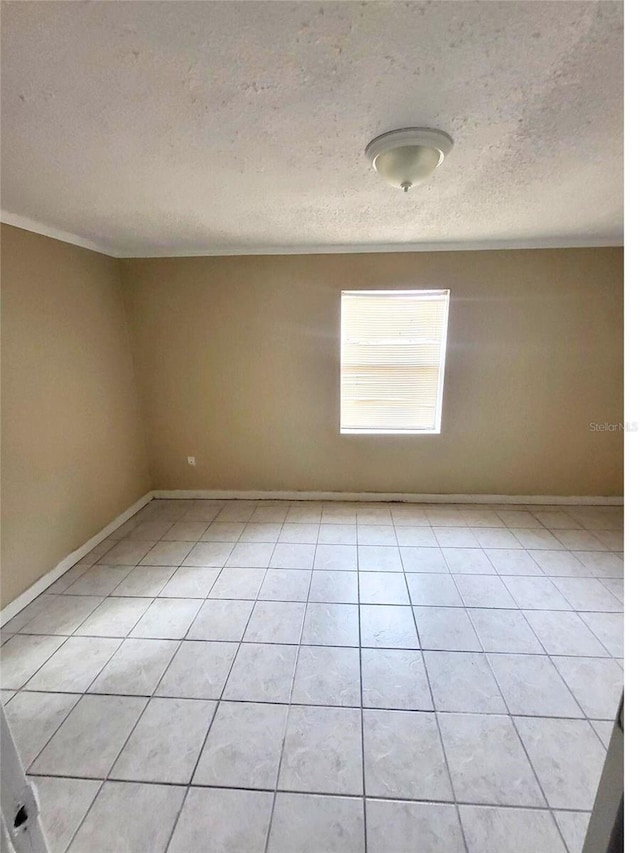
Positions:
{"x": 607, "y": 656}
{"x": 289, "y": 706}
{"x": 362, "y": 744}
{"x": 435, "y": 716}
{"x": 535, "y": 773}
{"x": 400, "y": 710}
{"x": 213, "y": 717}
{"x": 317, "y": 793}
{"x": 437, "y": 720}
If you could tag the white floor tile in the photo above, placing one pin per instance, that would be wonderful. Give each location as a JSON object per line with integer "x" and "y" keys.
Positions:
{"x": 23, "y": 655}
{"x": 250, "y": 555}
{"x": 98, "y": 580}
{"x": 238, "y": 583}
{"x": 275, "y": 622}
{"x": 496, "y": 537}
{"x": 299, "y": 533}
{"x": 61, "y": 614}
{"x": 412, "y": 827}
{"x": 567, "y": 757}
{"x": 446, "y": 629}
{"x": 387, "y": 626}
{"x": 395, "y": 679}
{"x": 378, "y": 534}
{"x": 537, "y": 539}
{"x": 455, "y": 537}
{"x": 63, "y": 805}
{"x": 243, "y": 746}
{"x": 383, "y": 588}
{"x": 89, "y": 740}
{"x": 337, "y": 534}
{"x": 509, "y": 561}
{"x": 487, "y": 761}
{"x": 127, "y": 816}
{"x": 573, "y": 826}
{"x": 223, "y": 821}
{"x": 167, "y": 619}
{"x": 587, "y": 594}
{"x": 326, "y": 675}
{"x": 185, "y": 531}
{"x": 261, "y": 673}
{"x": 285, "y": 585}
{"x": 510, "y": 830}
{"x": 166, "y": 742}
{"x": 115, "y": 617}
{"x": 504, "y": 631}
{"x": 205, "y": 554}
{"x": 471, "y": 561}
{"x": 331, "y": 625}
{"x": 531, "y": 685}
{"x": 34, "y": 718}
{"x": 322, "y": 751}
{"x": 463, "y": 681}
{"x": 595, "y": 682}
{"x": 337, "y": 557}
{"x": 379, "y": 558}
{"x": 433, "y": 590}
{"x": 536, "y": 593}
{"x": 287, "y": 556}
{"x": 557, "y": 564}
{"x": 127, "y": 552}
{"x": 144, "y": 581}
{"x": 221, "y": 620}
{"x": 403, "y": 756}
{"x": 256, "y": 532}
{"x": 564, "y": 633}
{"x": 72, "y": 668}
{"x": 190, "y": 582}
{"x": 423, "y": 560}
{"x": 420, "y": 536}
{"x": 223, "y": 531}
{"x": 307, "y": 822}
{"x": 609, "y": 629}
{"x": 199, "y": 670}
{"x": 136, "y": 668}
{"x": 601, "y": 564}
{"x": 483, "y": 591}
{"x": 334, "y": 587}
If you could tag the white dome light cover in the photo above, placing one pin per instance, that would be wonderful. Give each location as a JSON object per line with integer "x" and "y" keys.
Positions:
{"x": 407, "y": 157}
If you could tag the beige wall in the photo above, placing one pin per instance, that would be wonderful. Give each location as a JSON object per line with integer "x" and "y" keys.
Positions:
{"x": 73, "y": 455}
{"x": 238, "y": 365}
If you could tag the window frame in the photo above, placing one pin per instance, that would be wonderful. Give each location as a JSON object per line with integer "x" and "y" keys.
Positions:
{"x": 433, "y": 293}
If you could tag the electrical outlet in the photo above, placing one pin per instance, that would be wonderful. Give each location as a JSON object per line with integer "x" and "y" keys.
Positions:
{"x": 191, "y": 460}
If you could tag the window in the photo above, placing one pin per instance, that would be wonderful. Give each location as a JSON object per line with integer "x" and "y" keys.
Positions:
{"x": 392, "y": 360}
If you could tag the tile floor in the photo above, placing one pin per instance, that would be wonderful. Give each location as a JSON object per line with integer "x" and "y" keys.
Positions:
{"x": 299, "y": 677}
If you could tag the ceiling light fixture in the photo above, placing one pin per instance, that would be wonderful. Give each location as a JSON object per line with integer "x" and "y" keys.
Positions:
{"x": 406, "y": 158}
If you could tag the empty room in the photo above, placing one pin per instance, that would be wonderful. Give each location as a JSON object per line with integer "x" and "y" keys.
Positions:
{"x": 313, "y": 426}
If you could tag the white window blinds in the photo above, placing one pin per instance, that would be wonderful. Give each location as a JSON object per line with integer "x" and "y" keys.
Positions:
{"x": 392, "y": 360}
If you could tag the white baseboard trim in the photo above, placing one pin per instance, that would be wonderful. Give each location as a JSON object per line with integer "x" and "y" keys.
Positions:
{"x": 47, "y": 579}
{"x": 554, "y": 500}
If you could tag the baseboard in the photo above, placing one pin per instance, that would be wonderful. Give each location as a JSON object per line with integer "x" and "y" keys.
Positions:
{"x": 46, "y": 580}
{"x": 553, "y": 500}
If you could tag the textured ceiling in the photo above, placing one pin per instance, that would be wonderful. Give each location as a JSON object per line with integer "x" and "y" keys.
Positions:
{"x": 159, "y": 128}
